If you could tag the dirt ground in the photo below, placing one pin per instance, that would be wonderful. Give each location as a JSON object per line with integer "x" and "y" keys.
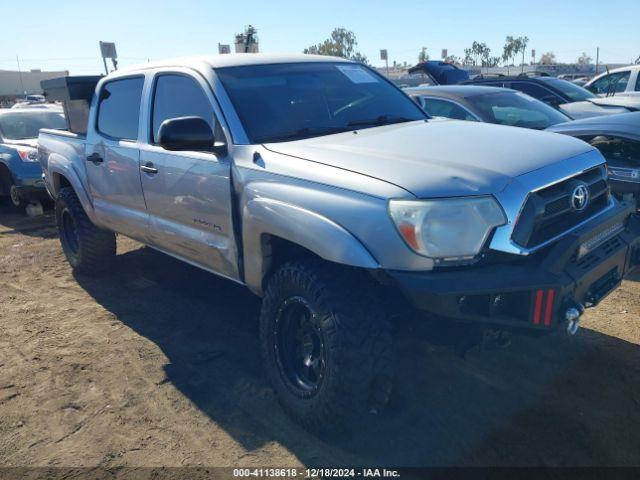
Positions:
{"x": 157, "y": 364}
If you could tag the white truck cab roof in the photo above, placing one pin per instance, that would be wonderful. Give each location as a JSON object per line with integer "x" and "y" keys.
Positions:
{"x": 231, "y": 60}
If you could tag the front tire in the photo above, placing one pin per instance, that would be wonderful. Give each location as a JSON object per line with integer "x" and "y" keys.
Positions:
{"x": 16, "y": 199}
{"x": 88, "y": 249}
{"x": 326, "y": 344}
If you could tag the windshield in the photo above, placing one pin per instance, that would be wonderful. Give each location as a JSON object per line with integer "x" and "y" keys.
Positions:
{"x": 571, "y": 90}
{"x": 282, "y": 102}
{"x": 517, "y": 109}
{"x": 24, "y": 125}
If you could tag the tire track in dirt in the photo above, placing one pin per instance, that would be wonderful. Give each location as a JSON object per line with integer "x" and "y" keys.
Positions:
{"x": 156, "y": 364}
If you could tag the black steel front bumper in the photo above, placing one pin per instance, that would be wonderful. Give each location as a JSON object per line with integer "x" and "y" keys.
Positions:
{"x": 534, "y": 292}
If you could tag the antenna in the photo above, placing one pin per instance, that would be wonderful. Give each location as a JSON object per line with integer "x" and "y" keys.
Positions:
{"x": 20, "y": 74}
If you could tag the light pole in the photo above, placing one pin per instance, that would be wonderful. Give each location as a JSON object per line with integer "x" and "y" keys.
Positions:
{"x": 20, "y": 75}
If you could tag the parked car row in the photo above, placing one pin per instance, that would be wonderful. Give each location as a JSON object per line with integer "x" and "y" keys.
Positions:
{"x": 616, "y": 136}
{"x": 569, "y": 98}
{"x": 20, "y": 173}
{"x": 325, "y": 190}
{"x": 487, "y": 104}
{"x": 607, "y": 94}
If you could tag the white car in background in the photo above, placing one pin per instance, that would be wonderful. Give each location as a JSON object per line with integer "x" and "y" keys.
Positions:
{"x": 621, "y": 81}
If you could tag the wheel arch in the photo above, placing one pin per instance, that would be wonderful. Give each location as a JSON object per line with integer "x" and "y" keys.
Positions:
{"x": 274, "y": 232}
{"x": 6, "y": 178}
{"x": 59, "y": 176}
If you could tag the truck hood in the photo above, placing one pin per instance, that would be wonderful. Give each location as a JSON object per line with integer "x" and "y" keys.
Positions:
{"x": 439, "y": 159}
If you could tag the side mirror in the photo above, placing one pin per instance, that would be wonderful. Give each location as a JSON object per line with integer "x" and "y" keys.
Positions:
{"x": 189, "y": 134}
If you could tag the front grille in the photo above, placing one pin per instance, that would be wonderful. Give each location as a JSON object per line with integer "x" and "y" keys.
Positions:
{"x": 548, "y": 213}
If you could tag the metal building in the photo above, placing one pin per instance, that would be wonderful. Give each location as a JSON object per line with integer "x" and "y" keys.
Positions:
{"x": 15, "y": 84}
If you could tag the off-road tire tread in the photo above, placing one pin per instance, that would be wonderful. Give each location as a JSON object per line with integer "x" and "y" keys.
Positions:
{"x": 97, "y": 246}
{"x": 358, "y": 336}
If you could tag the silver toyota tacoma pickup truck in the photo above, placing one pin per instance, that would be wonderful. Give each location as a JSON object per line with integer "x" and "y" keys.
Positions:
{"x": 325, "y": 190}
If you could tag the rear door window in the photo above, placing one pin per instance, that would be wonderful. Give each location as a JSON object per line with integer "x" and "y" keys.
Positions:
{"x": 537, "y": 91}
{"x": 119, "y": 108}
{"x": 444, "y": 108}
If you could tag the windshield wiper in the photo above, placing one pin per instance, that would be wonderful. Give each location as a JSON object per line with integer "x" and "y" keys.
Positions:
{"x": 379, "y": 121}
{"x": 303, "y": 132}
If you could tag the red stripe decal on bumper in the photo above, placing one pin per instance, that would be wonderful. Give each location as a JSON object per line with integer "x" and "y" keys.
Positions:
{"x": 547, "y": 314}
{"x": 538, "y": 309}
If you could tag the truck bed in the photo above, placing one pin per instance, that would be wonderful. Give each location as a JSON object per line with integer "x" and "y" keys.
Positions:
{"x": 59, "y": 150}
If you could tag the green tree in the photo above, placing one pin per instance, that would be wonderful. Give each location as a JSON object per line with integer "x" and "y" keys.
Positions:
{"x": 453, "y": 59}
{"x": 512, "y": 47}
{"x": 422, "y": 56}
{"x": 493, "y": 61}
{"x": 341, "y": 43}
{"x": 476, "y": 49}
{"x": 584, "y": 59}
{"x": 468, "y": 57}
{"x": 548, "y": 58}
{"x": 508, "y": 51}
{"x": 521, "y": 47}
{"x": 485, "y": 55}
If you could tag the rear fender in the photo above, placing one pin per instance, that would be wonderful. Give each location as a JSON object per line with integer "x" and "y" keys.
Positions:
{"x": 61, "y": 171}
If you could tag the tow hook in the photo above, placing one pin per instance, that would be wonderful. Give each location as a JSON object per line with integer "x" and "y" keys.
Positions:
{"x": 572, "y": 315}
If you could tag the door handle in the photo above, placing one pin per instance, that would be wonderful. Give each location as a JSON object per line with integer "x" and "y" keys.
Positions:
{"x": 149, "y": 168}
{"x": 95, "y": 158}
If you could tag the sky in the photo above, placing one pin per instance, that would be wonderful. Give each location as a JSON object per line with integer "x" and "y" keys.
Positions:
{"x": 64, "y": 34}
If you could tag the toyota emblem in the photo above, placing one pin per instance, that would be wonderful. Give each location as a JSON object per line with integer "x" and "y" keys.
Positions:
{"x": 580, "y": 197}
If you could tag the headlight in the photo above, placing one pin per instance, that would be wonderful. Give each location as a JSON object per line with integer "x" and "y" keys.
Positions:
{"x": 447, "y": 228}
{"x": 27, "y": 154}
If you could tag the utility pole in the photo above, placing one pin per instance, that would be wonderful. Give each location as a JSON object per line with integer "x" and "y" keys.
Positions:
{"x": 20, "y": 74}
{"x": 597, "y": 59}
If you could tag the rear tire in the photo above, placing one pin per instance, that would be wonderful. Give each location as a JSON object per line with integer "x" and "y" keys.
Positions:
{"x": 88, "y": 249}
{"x": 326, "y": 344}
